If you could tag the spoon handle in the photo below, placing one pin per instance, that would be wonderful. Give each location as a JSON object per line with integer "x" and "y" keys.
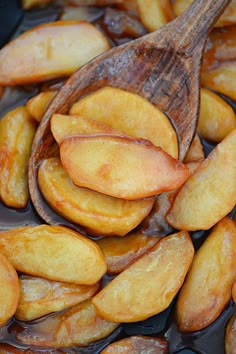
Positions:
{"x": 192, "y": 27}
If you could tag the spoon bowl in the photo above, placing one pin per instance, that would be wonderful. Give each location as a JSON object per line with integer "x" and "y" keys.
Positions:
{"x": 163, "y": 67}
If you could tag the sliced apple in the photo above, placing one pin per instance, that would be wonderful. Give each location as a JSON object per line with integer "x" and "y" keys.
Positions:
{"x": 55, "y": 253}
{"x": 37, "y": 105}
{"x": 217, "y": 118}
{"x": 135, "y": 343}
{"x": 154, "y": 14}
{"x": 207, "y": 289}
{"x": 39, "y": 297}
{"x": 195, "y": 152}
{"x": 98, "y": 213}
{"x": 120, "y": 253}
{"x": 80, "y": 325}
{"x": 63, "y": 126}
{"x": 141, "y": 120}
{"x": 56, "y": 50}
{"x": 210, "y": 193}
{"x": 121, "y": 167}
{"x": 149, "y": 285}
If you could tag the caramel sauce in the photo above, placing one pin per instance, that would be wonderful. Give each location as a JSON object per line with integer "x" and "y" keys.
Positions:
{"x": 209, "y": 340}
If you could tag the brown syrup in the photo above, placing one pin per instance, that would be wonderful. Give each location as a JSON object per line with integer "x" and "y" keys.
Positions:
{"x": 207, "y": 341}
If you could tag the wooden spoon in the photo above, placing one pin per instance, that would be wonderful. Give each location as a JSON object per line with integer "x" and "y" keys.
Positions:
{"x": 163, "y": 67}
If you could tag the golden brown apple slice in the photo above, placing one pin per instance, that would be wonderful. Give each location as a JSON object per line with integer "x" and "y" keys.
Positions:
{"x": 120, "y": 253}
{"x": 230, "y": 336}
{"x": 55, "y": 253}
{"x": 221, "y": 79}
{"x": 63, "y": 126}
{"x": 39, "y": 297}
{"x": 195, "y": 152}
{"x": 121, "y": 167}
{"x": 217, "y": 118}
{"x": 149, "y": 285}
{"x": 37, "y": 105}
{"x": 135, "y": 343}
{"x": 210, "y": 193}
{"x": 207, "y": 289}
{"x": 98, "y": 213}
{"x": 9, "y": 290}
{"x": 141, "y": 120}
{"x": 154, "y": 14}
{"x": 80, "y": 325}
{"x": 56, "y": 50}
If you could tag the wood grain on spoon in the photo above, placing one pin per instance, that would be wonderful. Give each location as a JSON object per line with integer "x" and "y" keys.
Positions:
{"x": 162, "y": 67}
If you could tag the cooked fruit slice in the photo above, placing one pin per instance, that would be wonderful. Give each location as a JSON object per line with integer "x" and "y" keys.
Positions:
{"x": 210, "y": 193}
{"x": 217, "y": 118}
{"x": 39, "y": 297}
{"x": 135, "y": 344}
{"x": 230, "y": 337}
{"x": 195, "y": 152}
{"x": 142, "y": 120}
{"x": 37, "y": 105}
{"x": 63, "y": 126}
{"x": 120, "y": 166}
{"x": 207, "y": 289}
{"x": 56, "y": 50}
{"x": 149, "y": 285}
{"x": 80, "y": 325}
{"x": 100, "y": 214}
{"x": 154, "y": 14}
{"x": 54, "y": 252}
{"x": 9, "y": 290}
{"x": 120, "y": 253}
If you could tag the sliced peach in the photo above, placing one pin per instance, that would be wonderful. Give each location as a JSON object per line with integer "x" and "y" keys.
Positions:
{"x": 210, "y": 193}
{"x": 135, "y": 343}
{"x": 98, "y": 213}
{"x": 80, "y": 325}
{"x": 142, "y": 120}
{"x": 63, "y": 126}
{"x": 56, "y": 50}
{"x": 221, "y": 79}
{"x": 55, "y": 253}
{"x": 120, "y": 253}
{"x": 217, "y": 118}
{"x": 230, "y": 336}
{"x": 121, "y": 167}
{"x": 207, "y": 289}
{"x": 195, "y": 152}
{"x": 149, "y": 285}
{"x": 154, "y": 14}
{"x": 37, "y": 105}
{"x": 9, "y": 290}
{"x": 39, "y": 297}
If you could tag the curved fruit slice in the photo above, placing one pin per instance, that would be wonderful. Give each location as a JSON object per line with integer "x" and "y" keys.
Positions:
{"x": 100, "y": 214}
{"x": 207, "y": 288}
{"x": 38, "y": 104}
{"x": 50, "y": 51}
{"x": 121, "y": 167}
{"x": 210, "y": 193}
{"x": 54, "y": 252}
{"x": 149, "y": 285}
{"x": 154, "y": 14}
{"x": 141, "y": 120}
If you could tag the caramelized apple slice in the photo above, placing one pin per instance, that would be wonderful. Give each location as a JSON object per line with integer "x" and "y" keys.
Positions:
{"x": 80, "y": 325}
{"x": 217, "y": 118}
{"x": 121, "y": 167}
{"x": 54, "y": 252}
{"x": 120, "y": 253}
{"x": 154, "y": 14}
{"x": 98, "y": 213}
{"x": 37, "y": 105}
{"x": 149, "y": 285}
{"x": 142, "y": 120}
{"x": 135, "y": 343}
{"x": 207, "y": 289}
{"x": 210, "y": 193}
{"x": 39, "y": 297}
{"x": 9, "y": 290}
{"x": 230, "y": 336}
{"x": 63, "y": 126}
{"x": 195, "y": 152}
{"x": 56, "y": 50}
